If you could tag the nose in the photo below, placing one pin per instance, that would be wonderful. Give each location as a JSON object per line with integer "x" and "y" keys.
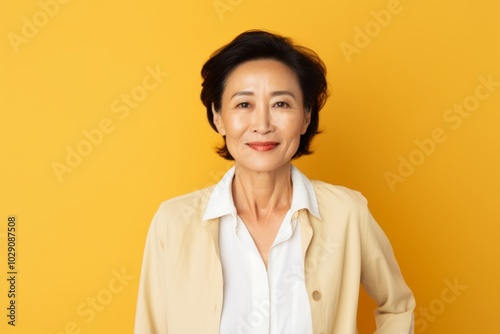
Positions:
{"x": 262, "y": 122}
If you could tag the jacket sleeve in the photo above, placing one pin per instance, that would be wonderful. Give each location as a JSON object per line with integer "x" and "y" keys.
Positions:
{"x": 383, "y": 281}
{"x": 151, "y": 306}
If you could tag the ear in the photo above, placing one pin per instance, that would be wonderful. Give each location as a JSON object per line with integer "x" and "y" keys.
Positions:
{"x": 219, "y": 124}
{"x": 307, "y": 121}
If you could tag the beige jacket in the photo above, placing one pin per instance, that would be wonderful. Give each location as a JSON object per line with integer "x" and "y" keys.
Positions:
{"x": 181, "y": 287}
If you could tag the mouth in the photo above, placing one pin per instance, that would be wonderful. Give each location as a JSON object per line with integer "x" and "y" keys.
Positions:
{"x": 263, "y": 146}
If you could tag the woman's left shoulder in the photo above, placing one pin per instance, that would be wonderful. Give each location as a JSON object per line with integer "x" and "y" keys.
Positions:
{"x": 327, "y": 192}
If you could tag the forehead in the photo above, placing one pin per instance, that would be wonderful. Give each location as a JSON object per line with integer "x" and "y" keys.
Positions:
{"x": 262, "y": 73}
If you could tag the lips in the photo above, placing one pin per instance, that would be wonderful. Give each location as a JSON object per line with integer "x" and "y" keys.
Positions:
{"x": 263, "y": 146}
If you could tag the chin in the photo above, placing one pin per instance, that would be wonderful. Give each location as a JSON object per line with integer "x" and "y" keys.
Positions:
{"x": 261, "y": 165}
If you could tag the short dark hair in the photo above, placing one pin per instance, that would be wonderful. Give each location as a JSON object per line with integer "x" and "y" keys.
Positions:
{"x": 255, "y": 45}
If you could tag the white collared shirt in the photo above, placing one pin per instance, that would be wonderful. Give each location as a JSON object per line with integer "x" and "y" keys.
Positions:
{"x": 259, "y": 300}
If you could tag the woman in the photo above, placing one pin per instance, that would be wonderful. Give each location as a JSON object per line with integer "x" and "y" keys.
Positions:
{"x": 266, "y": 250}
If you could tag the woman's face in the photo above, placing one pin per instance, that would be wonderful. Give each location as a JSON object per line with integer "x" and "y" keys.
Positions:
{"x": 262, "y": 115}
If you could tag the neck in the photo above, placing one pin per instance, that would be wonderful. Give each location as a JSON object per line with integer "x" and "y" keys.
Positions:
{"x": 259, "y": 194}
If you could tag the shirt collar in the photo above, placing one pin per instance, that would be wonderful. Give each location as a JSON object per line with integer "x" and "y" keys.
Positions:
{"x": 221, "y": 201}
{"x": 303, "y": 196}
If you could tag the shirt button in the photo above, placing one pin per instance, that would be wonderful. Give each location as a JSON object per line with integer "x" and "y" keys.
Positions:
{"x": 316, "y": 295}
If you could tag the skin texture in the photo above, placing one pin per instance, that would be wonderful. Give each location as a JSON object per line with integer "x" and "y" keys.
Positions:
{"x": 262, "y": 117}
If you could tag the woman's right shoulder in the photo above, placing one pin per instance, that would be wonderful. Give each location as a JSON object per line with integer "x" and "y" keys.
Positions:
{"x": 187, "y": 207}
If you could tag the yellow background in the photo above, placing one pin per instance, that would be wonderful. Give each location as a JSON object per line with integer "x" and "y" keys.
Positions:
{"x": 79, "y": 231}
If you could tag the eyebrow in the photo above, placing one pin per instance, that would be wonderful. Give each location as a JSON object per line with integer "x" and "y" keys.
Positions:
{"x": 275, "y": 93}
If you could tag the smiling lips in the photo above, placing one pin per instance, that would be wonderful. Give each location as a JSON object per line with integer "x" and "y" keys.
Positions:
{"x": 263, "y": 146}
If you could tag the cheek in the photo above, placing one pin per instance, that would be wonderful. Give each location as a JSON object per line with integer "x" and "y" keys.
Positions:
{"x": 235, "y": 125}
{"x": 292, "y": 128}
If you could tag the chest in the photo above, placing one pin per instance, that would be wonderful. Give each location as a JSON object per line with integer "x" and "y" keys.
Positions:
{"x": 263, "y": 296}
{"x": 264, "y": 232}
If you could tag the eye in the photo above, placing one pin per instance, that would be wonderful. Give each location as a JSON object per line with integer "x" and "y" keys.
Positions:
{"x": 281, "y": 104}
{"x": 243, "y": 105}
